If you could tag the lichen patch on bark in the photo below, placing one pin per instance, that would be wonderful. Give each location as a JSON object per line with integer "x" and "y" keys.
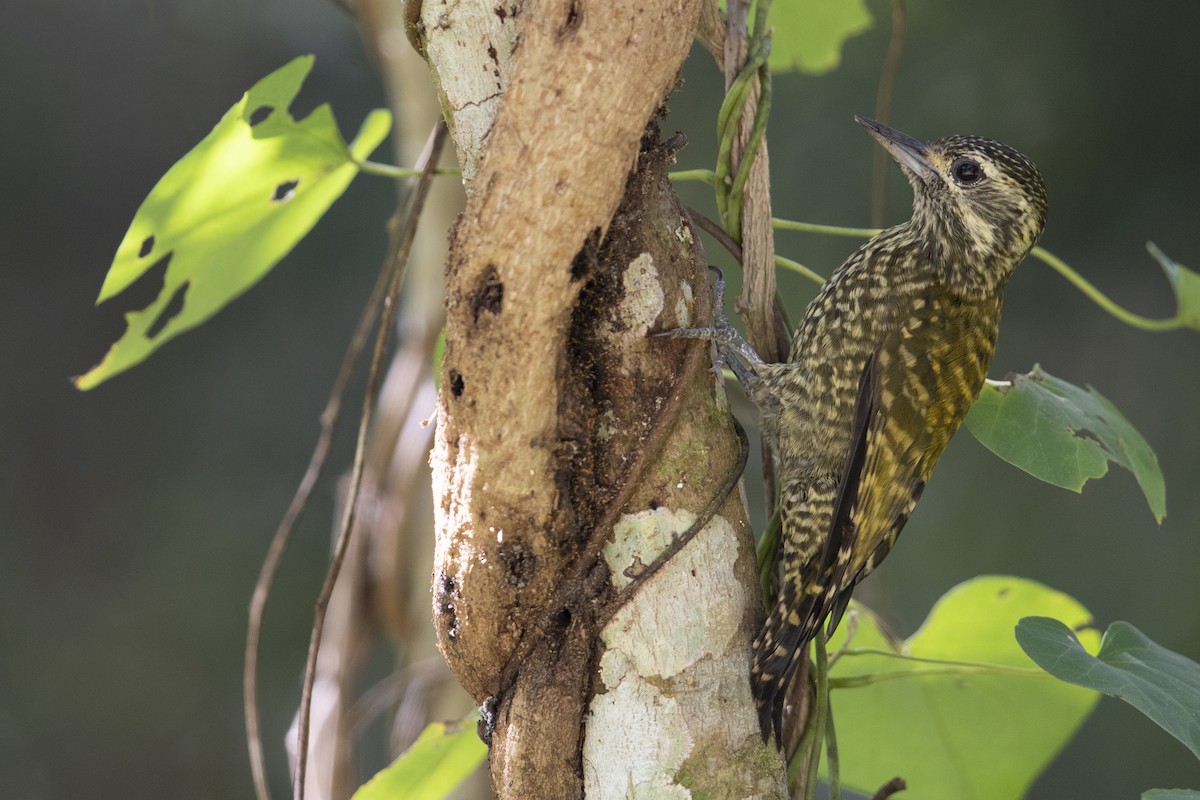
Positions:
{"x": 649, "y": 759}
{"x": 683, "y": 314}
{"x": 676, "y": 649}
{"x": 689, "y": 610}
{"x": 643, "y": 300}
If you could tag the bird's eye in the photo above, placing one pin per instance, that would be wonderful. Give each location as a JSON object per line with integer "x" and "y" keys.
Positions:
{"x": 966, "y": 171}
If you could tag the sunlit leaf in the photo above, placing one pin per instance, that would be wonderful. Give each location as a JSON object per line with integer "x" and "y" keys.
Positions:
{"x": 1171, "y": 794}
{"x": 1162, "y": 684}
{"x": 809, "y": 34}
{"x": 950, "y": 729}
{"x": 437, "y": 762}
{"x": 1184, "y": 282}
{"x": 1063, "y": 434}
{"x": 229, "y": 210}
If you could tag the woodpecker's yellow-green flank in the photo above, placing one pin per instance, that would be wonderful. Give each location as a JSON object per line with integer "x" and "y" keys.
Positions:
{"x": 888, "y": 358}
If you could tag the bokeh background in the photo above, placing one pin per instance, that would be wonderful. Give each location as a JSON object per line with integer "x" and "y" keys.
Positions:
{"x": 133, "y": 518}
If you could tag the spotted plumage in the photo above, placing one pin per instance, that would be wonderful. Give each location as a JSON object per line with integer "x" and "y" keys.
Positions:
{"x": 888, "y": 358}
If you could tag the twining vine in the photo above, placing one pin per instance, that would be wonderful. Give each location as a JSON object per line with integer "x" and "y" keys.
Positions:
{"x": 384, "y": 296}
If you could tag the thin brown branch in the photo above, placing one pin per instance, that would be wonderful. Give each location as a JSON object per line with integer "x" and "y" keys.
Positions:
{"x": 714, "y": 230}
{"x": 427, "y": 164}
{"x": 287, "y": 526}
{"x": 883, "y": 108}
{"x": 890, "y": 788}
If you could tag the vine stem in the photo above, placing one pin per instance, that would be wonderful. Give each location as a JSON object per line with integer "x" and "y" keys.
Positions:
{"x": 1040, "y": 253}
{"x": 398, "y": 173}
{"x": 883, "y": 106}
{"x": 705, "y": 175}
{"x": 283, "y": 535}
{"x": 825, "y": 711}
{"x": 780, "y": 224}
{"x": 797, "y": 267}
{"x": 818, "y": 725}
{"x": 945, "y": 668}
{"x": 728, "y": 119}
{"x": 758, "y": 128}
{"x": 429, "y": 158}
{"x": 299, "y": 502}
{"x": 946, "y": 662}
{"x": 831, "y": 749}
{"x": 1099, "y": 298}
{"x": 859, "y": 681}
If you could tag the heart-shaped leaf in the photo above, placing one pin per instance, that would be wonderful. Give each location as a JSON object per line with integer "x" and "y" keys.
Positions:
{"x": 957, "y": 710}
{"x": 1063, "y": 434}
{"x": 1162, "y": 684}
{"x": 809, "y": 34}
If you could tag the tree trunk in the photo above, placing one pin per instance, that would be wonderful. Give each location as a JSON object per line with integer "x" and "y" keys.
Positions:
{"x": 572, "y": 449}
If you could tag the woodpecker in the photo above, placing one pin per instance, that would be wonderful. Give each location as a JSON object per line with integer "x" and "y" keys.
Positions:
{"x": 881, "y": 371}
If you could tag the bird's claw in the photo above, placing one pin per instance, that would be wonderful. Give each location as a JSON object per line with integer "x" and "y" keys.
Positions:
{"x": 719, "y": 330}
{"x": 726, "y": 338}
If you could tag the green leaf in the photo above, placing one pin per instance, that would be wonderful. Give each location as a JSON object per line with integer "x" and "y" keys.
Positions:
{"x": 950, "y": 729}
{"x": 1170, "y": 794}
{"x": 1186, "y": 285}
{"x": 1063, "y": 434}
{"x": 438, "y": 761}
{"x": 809, "y": 34}
{"x": 1162, "y": 684}
{"x": 229, "y": 210}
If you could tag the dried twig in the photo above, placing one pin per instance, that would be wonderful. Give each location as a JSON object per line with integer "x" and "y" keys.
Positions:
{"x": 890, "y": 788}
{"x": 287, "y": 526}
{"x": 427, "y": 164}
{"x": 716, "y": 231}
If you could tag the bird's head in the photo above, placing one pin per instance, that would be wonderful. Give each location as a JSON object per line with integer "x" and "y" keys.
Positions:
{"x": 978, "y": 204}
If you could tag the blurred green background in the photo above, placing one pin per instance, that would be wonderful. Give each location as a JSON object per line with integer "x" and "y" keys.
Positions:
{"x": 133, "y": 519}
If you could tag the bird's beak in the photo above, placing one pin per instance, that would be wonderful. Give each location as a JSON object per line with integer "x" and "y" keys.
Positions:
{"x": 910, "y": 152}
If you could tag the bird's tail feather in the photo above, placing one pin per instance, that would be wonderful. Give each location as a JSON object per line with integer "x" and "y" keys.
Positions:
{"x": 783, "y": 641}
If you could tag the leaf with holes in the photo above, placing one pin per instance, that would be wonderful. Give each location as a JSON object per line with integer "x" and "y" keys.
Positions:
{"x": 229, "y": 210}
{"x": 1162, "y": 684}
{"x": 809, "y": 34}
{"x": 1184, "y": 282}
{"x": 441, "y": 758}
{"x": 1063, "y": 434}
{"x": 956, "y": 709}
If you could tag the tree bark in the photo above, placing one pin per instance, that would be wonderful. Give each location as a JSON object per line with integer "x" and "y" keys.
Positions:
{"x": 572, "y": 450}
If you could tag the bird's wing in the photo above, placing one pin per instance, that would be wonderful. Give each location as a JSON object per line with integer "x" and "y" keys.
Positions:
{"x": 800, "y": 609}
{"x": 927, "y": 374}
{"x": 836, "y": 568}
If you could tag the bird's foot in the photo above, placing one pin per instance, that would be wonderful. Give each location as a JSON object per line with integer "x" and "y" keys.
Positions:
{"x": 731, "y": 348}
